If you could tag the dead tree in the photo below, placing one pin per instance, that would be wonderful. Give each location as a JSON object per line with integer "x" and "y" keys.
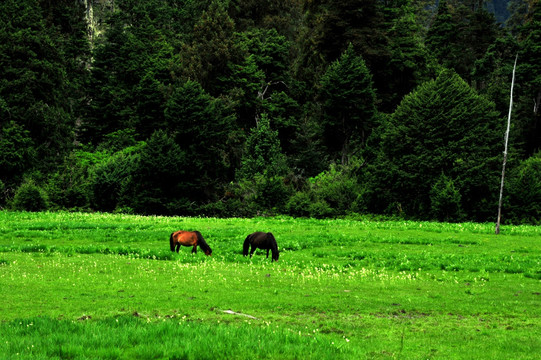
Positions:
{"x": 505, "y": 148}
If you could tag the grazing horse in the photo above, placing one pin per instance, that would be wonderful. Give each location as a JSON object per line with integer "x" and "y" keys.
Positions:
{"x": 261, "y": 240}
{"x": 189, "y": 238}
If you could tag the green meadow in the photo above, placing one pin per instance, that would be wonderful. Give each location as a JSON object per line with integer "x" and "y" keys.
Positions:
{"x": 106, "y": 286}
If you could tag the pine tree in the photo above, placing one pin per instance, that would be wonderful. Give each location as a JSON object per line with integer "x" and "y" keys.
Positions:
{"x": 348, "y": 104}
{"x": 529, "y": 81}
{"x": 203, "y": 127}
{"x": 263, "y": 154}
{"x": 443, "y": 127}
{"x": 38, "y": 93}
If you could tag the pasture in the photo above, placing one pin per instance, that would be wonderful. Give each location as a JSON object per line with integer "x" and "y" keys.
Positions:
{"x": 77, "y": 285}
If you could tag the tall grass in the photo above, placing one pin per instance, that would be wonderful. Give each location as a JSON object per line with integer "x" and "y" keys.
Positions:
{"x": 132, "y": 337}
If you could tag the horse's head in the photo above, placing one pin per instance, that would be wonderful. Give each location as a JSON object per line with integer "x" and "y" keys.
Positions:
{"x": 208, "y": 251}
{"x": 275, "y": 254}
{"x": 172, "y": 242}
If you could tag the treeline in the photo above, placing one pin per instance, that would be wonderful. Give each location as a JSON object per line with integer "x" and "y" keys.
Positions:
{"x": 240, "y": 108}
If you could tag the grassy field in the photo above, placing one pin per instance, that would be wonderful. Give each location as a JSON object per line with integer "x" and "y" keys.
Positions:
{"x": 78, "y": 286}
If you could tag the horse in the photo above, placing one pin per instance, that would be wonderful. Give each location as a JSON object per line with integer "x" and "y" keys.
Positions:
{"x": 261, "y": 240}
{"x": 189, "y": 238}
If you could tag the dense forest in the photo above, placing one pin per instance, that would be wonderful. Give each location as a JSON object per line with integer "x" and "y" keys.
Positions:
{"x": 313, "y": 108}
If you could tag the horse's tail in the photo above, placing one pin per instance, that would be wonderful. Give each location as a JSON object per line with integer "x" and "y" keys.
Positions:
{"x": 172, "y": 242}
{"x": 274, "y": 246}
{"x": 202, "y": 243}
{"x": 246, "y": 246}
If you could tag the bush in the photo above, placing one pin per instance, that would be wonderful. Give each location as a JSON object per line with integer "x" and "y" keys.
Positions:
{"x": 445, "y": 200}
{"x": 337, "y": 187}
{"x": 30, "y": 197}
{"x": 299, "y": 204}
{"x": 111, "y": 180}
{"x": 523, "y": 202}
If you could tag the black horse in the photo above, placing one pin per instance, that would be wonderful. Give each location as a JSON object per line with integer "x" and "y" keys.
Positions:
{"x": 261, "y": 240}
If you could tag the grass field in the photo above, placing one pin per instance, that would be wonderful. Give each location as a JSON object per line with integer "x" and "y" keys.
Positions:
{"x": 75, "y": 285}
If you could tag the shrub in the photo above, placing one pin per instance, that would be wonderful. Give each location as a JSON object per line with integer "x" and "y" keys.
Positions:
{"x": 523, "y": 202}
{"x": 337, "y": 187}
{"x": 299, "y": 204}
{"x": 445, "y": 200}
{"x": 30, "y": 197}
{"x": 111, "y": 180}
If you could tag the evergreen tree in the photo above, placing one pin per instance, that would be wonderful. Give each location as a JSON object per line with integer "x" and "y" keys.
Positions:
{"x": 528, "y": 81}
{"x": 263, "y": 169}
{"x": 443, "y": 127}
{"x": 409, "y": 64}
{"x": 518, "y": 9}
{"x": 348, "y": 104}
{"x": 263, "y": 154}
{"x": 203, "y": 127}
{"x": 17, "y": 153}
{"x": 461, "y": 35}
{"x": 131, "y": 71}
{"x": 206, "y": 58}
{"x": 442, "y": 37}
{"x": 162, "y": 182}
{"x": 330, "y": 26}
{"x": 37, "y": 92}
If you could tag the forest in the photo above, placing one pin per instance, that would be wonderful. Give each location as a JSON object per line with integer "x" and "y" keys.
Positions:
{"x": 240, "y": 108}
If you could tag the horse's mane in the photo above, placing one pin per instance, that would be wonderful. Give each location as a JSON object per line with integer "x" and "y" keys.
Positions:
{"x": 202, "y": 243}
{"x": 272, "y": 241}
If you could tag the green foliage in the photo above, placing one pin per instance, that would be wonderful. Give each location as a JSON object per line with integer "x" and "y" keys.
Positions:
{"x": 203, "y": 128}
{"x": 16, "y": 152}
{"x": 263, "y": 169}
{"x": 160, "y": 183}
{"x": 300, "y": 203}
{"x": 528, "y": 82}
{"x": 331, "y": 193}
{"x": 2, "y": 193}
{"x": 523, "y": 192}
{"x": 70, "y": 187}
{"x": 39, "y": 85}
{"x": 203, "y": 74}
{"x": 263, "y": 154}
{"x": 205, "y": 59}
{"x": 445, "y": 200}
{"x": 410, "y": 62}
{"x": 111, "y": 179}
{"x": 269, "y": 49}
{"x": 460, "y": 35}
{"x": 348, "y": 103}
{"x": 30, "y": 197}
{"x": 433, "y": 132}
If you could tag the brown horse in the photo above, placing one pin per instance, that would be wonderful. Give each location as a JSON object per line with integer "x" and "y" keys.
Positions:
{"x": 261, "y": 240}
{"x": 189, "y": 238}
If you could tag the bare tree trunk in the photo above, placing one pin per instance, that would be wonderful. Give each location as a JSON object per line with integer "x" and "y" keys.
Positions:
{"x": 505, "y": 149}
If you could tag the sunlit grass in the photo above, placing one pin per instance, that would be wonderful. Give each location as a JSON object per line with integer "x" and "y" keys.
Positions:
{"x": 344, "y": 288}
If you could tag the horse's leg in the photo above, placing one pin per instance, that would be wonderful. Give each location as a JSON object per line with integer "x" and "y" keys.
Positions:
{"x": 268, "y": 253}
{"x": 252, "y": 250}
{"x": 194, "y": 250}
{"x": 178, "y": 247}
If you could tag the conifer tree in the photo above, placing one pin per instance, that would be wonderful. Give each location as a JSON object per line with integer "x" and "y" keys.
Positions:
{"x": 441, "y": 129}
{"x": 348, "y": 104}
